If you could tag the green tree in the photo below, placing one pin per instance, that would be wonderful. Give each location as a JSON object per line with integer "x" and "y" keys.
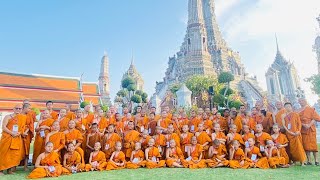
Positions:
{"x": 315, "y": 82}
{"x": 127, "y": 82}
{"x": 136, "y": 98}
{"x": 226, "y": 78}
{"x": 175, "y": 87}
{"x": 235, "y": 104}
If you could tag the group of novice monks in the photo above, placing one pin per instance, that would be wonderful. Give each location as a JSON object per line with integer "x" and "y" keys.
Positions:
{"x": 67, "y": 142}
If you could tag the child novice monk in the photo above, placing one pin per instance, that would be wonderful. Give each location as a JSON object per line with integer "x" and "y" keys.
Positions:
{"x": 72, "y": 161}
{"x": 56, "y": 137}
{"x": 160, "y": 141}
{"x": 218, "y": 134}
{"x": 97, "y": 160}
{"x": 47, "y": 164}
{"x": 118, "y": 158}
{"x": 281, "y": 142}
{"x": 130, "y": 138}
{"x": 203, "y": 139}
{"x": 174, "y": 156}
{"x": 247, "y": 133}
{"x": 236, "y": 156}
{"x": 217, "y": 155}
{"x": 109, "y": 141}
{"x": 253, "y": 155}
{"x": 144, "y": 139}
{"x": 153, "y": 156}
{"x": 185, "y": 139}
{"x": 261, "y": 137}
{"x": 172, "y": 136}
{"x": 195, "y": 155}
{"x": 93, "y": 137}
{"x": 233, "y": 135}
{"x": 137, "y": 158}
{"x": 274, "y": 157}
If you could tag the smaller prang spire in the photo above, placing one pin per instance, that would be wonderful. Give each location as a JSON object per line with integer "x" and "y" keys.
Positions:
{"x": 104, "y": 81}
{"x": 277, "y": 42}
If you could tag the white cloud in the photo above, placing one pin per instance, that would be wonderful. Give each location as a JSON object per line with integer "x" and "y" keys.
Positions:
{"x": 292, "y": 20}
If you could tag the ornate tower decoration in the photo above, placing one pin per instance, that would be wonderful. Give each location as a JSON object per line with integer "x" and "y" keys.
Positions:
{"x": 104, "y": 81}
{"x": 316, "y": 46}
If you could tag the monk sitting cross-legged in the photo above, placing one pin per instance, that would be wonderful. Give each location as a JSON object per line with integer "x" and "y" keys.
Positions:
{"x": 218, "y": 134}
{"x": 118, "y": 159}
{"x": 72, "y": 161}
{"x": 185, "y": 139}
{"x": 281, "y": 142}
{"x": 97, "y": 160}
{"x": 274, "y": 158}
{"x": 47, "y": 164}
{"x": 130, "y": 138}
{"x": 153, "y": 156}
{"x": 236, "y": 156}
{"x": 137, "y": 158}
{"x": 217, "y": 155}
{"x": 195, "y": 155}
{"x": 233, "y": 135}
{"x": 109, "y": 141}
{"x": 254, "y": 156}
{"x": 203, "y": 139}
{"x": 93, "y": 137}
{"x": 174, "y": 156}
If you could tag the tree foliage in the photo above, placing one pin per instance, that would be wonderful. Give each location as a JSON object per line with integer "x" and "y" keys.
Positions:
{"x": 315, "y": 82}
{"x": 225, "y": 77}
{"x": 200, "y": 83}
{"x": 175, "y": 87}
{"x": 136, "y": 98}
{"x": 127, "y": 82}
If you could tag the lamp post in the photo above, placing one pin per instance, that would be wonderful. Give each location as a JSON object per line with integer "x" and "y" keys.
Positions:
{"x": 211, "y": 94}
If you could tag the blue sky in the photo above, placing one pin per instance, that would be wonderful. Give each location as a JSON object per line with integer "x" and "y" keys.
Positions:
{"x": 68, "y": 38}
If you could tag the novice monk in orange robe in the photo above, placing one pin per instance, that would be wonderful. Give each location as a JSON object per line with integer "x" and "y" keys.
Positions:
{"x": 89, "y": 116}
{"x": 137, "y": 158}
{"x": 261, "y": 137}
{"x": 195, "y": 155}
{"x": 74, "y": 136}
{"x": 93, "y": 137}
{"x": 185, "y": 139}
{"x": 97, "y": 160}
{"x": 144, "y": 139}
{"x": 63, "y": 120}
{"x": 246, "y": 133}
{"x": 203, "y": 139}
{"x": 194, "y": 122}
{"x": 160, "y": 141}
{"x": 101, "y": 121}
{"x": 11, "y": 143}
{"x": 42, "y": 129}
{"x": 153, "y": 156}
{"x": 309, "y": 117}
{"x": 109, "y": 141}
{"x": 207, "y": 123}
{"x": 281, "y": 142}
{"x": 233, "y": 135}
{"x": 174, "y": 156}
{"x": 141, "y": 122}
{"x": 292, "y": 124}
{"x": 171, "y": 135}
{"x": 118, "y": 158}
{"x": 218, "y": 134}
{"x": 274, "y": 158}
{"x": 53, "y": 115}
{"x": 176, "y": 124}
{"x": 130, "y": 138}
{"x": 222, "y": 121}
{"x": 56, "y": 137}
{"x": 217, "y": 155}
{"x": 237, "y": 157}
{"x": 164, "y": 121}
{"x": 70, "y": 115}
{"x": 72, "y": 161}
{"x": 29, "y": 130}
{"x": 82, "y": 126}
{"x": 47, "y": 164}
{"x": 254, "y": 157}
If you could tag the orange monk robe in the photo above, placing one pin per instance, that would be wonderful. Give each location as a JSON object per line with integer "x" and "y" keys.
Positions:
{"x": 275, "y": 160}
{"x": 152, "y": 127}
{"x": 278, "y": 117}
{"x": 221, "y": 137}
{"x": 249, "y": 122}
{"x": 89, "y": 118}
{"x": 239, "y": 156}
{"x": 223, "y": 123}
{"x": 125, "y": 121}
{"x": 99, "y": 158}
{"x": 208, "y": 125}
{"x": 73, "y": 160}
{"x": 173, "y": 136}
{"x": 282, "y": 139}
{"x": 238, "y": 122}
{"x": 157, "y": 117}
{"x": 142, "y": 123}
{"x": 117, "y": 158}
{"x": 176, "y": 127}
{"x": 164, "y": 123}
{"x": 216, "y": 159}
{"x": 195, "y": 155}
{"x": 102, "y": 123}
{"x": 31, "y": 118}
{"x": 309, "y": 136}
{"x": 154, "y": 154}
{"x": 58, "y": 140}
{"x": 160, "y": 142}
{"x": 185, "y": 141}
{"x": 203, "y": 138}
{"x": 130, "y": 138}
{"x": 182, "y": 122}
{"x": 237, "y": 137}
{"x": 262, "y": 139}
{"x": 169, "y": 116}
{"x": 75, "y": 137}
{"x": 109, "y": 143}
{"x": 144, "y": 142}
{"x": 71, "y": 115}
{"x": 93, "y": 138}
{"x": 64, "y": 124}
{"x": 83, "y": 127}
{"x": 261, "y": 162}
{"x": 193, "y": 124}
{"x": 267, "y": 122}
{"x": 119, "y": 126}
{"x": 39, "y": 141}
{"x": 295, "y": 142}
{"x": 11, "y": 148}
{"x": 54, "y": 115}
{"x": 51, "y": 159}
{"x": 176, "y": 155}
{"x": 139, "y": 156}
{"x": 245, "y": 137}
